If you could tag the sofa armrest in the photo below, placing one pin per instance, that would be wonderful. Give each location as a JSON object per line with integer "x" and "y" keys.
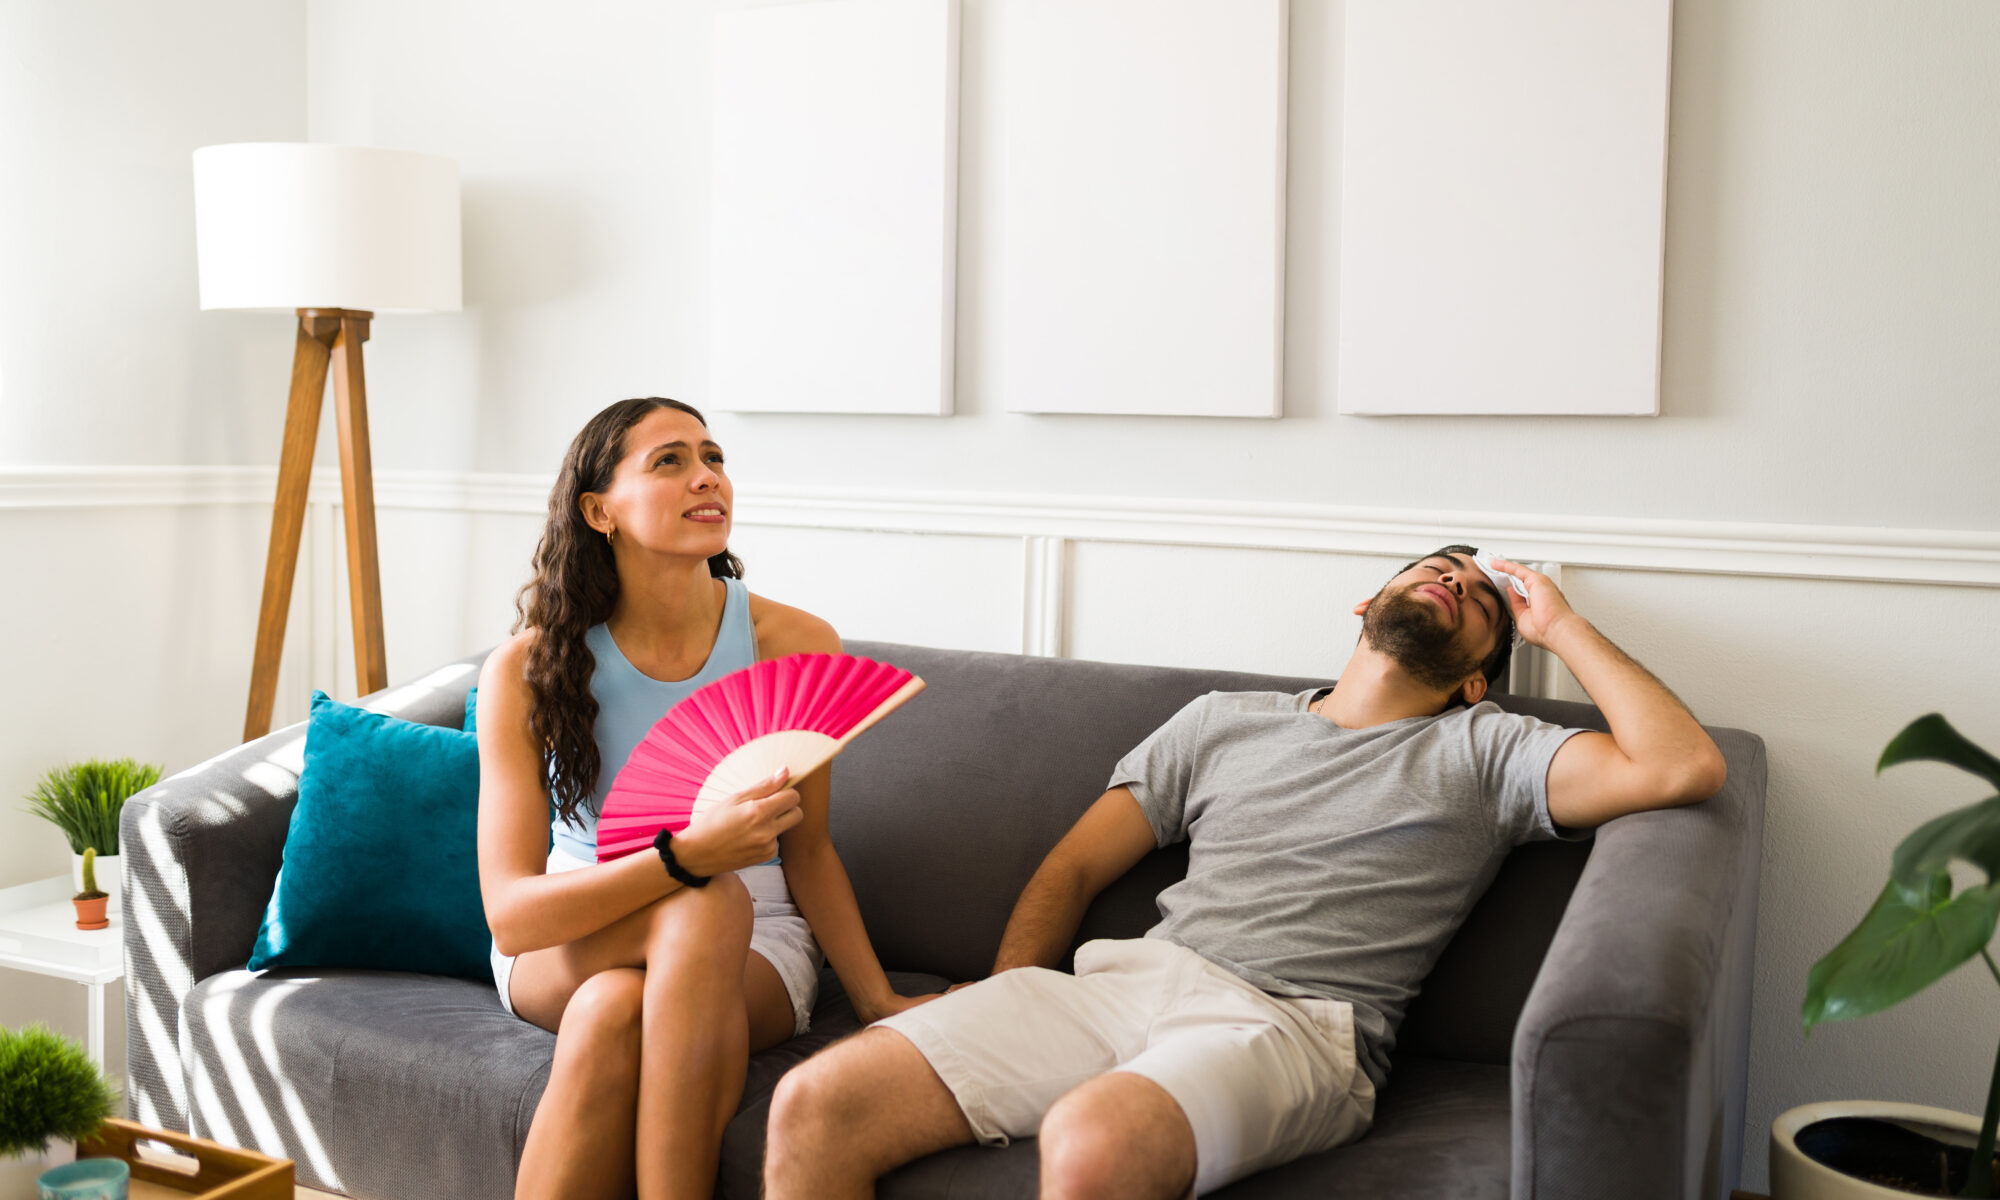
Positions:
{"x": 1630, "y": 1058}
{"x": 201, "y": 852}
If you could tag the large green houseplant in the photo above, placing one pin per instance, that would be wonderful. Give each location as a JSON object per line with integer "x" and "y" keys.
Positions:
{"x": 1921, "y": 927}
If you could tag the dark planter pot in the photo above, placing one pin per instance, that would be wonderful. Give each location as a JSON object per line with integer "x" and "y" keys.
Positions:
{"x": 1869, "y": 1150}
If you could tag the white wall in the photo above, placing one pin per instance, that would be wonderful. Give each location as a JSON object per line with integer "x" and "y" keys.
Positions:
{"x": 1833, "y": 278}
{"x": 1829, "y": 294}
{"x": 104, "y": 355}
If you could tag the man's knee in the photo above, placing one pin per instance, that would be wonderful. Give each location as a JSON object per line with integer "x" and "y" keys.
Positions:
{"x": 1119, "y": 1135}
{"x": 819, "y": 1095}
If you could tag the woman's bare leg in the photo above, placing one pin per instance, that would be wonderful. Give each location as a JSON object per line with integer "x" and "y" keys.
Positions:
{"x": 583, "y": 1131}
{"x": 695, "y": 1047}
{"x": 705, "y": 1001}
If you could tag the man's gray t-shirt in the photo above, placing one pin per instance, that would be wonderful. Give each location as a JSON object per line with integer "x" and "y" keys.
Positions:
{"x": 1334, "y": 862}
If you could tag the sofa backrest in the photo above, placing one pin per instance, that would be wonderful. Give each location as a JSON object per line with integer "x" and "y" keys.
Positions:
{"x": 943, "y": 812}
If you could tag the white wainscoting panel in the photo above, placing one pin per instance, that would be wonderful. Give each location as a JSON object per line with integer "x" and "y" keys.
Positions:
{"x": 833, "y": 227}
{"x": 1142, "y": 165}
{"x": 1278, "y": 611}
{"x": 959, "y": 592}
{"x": 1504, "y": 255}
{"x": 129, "y": 634}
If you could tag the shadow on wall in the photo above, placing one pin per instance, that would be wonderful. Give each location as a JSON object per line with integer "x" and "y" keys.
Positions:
{"x": 525, "y": 248}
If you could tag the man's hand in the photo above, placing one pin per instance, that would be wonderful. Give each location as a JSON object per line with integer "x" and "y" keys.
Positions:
{"x": 742, "y": 831}
{"x": 1545, "y": 608}
{"x": 889, "y": 1005}
{"x": 1656, "y": 754}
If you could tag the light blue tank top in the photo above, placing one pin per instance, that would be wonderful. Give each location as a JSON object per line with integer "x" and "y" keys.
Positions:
{"x": 630, "y": 702}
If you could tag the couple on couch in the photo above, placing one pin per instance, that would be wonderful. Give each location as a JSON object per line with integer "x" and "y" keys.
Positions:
{"x": 1337, "y": 838}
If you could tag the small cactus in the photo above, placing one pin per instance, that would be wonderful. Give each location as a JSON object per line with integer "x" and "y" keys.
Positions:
{"x": 89, "y": 891}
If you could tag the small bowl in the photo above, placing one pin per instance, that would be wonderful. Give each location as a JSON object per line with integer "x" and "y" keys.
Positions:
{"x": 87, "y": 1179}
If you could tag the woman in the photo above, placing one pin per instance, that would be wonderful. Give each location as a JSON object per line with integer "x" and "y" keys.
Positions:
{"x": 658, "y": 991}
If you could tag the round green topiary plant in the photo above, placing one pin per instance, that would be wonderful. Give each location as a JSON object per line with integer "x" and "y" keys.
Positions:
{"x": 49, "y": 1089}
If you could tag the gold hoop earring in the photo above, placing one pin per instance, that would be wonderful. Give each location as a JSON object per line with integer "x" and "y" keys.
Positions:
{"x": 608, "y": 535}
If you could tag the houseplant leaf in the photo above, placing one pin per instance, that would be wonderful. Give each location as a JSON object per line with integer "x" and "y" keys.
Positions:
{"x": 1908, "y": 940}
{"x": 1971, "y": 833}
{"x": 1932, "y": 737}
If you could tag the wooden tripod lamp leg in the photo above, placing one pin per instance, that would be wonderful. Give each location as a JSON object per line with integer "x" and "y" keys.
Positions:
{"x": 357, "y": 489}
{"x": 288, "y": 514}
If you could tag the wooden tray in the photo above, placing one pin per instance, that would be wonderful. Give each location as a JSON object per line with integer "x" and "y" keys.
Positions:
{"x": 200, "y": 1169}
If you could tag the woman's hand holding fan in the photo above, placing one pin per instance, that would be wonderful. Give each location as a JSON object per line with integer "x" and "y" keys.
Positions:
{"x": 741, "y": 831}
{"x": 729, "y": 738}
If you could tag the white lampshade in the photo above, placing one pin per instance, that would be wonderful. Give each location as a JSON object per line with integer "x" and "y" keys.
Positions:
{"x": 284, "y": 225}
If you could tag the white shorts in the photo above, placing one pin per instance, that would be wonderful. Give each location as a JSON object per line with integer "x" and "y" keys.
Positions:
{"x": 778, "y": 932}
{"x": 1263, "y": 1079}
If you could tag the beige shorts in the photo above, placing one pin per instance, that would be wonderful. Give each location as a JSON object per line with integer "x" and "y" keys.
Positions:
{"x": 1263, "y": 1079}
{"x": 778, "y": 932}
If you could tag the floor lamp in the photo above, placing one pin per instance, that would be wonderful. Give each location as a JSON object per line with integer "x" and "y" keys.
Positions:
{"x": 335, "y": 234}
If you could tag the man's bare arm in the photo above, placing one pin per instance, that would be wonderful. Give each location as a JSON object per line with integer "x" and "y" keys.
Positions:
{"x": 1656, "y": 755}
{"x": 1105, "y": 842}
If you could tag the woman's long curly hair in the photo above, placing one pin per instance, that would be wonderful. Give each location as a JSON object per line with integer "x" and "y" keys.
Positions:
{"x": 575, "y": 586}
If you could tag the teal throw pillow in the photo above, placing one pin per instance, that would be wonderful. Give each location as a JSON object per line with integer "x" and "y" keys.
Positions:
{"x": 472, "y": 711}
{"x": 381, "y": 864}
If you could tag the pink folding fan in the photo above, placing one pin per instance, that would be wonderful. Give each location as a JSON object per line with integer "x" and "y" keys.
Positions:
{"x": 797, "y": 712}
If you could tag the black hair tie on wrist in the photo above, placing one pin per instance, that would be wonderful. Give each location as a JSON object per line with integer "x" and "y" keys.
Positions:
{"x": 663, "y": 842}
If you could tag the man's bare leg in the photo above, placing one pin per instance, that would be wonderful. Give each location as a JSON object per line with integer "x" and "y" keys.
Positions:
{"x": 1117, "y": 1135}
{"x": 856, "y": 1110}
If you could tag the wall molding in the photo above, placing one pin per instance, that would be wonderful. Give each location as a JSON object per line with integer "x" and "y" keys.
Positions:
{"x": 1044, "y": 595}
{"x": 1858, "y": 553}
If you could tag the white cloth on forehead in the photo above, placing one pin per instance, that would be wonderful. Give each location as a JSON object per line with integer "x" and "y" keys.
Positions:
{"x": 1500, "y": 579}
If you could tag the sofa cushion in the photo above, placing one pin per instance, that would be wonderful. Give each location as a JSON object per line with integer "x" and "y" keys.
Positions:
{"x": 414, "y": 1085}
{"x": 1441, "y": 1129}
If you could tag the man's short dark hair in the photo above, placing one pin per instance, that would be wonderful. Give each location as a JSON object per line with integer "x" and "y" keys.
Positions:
{"x": 1494, "y": 667}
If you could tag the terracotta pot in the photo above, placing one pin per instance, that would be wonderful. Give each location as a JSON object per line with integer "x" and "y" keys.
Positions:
{"x": 90, "y": 913}
{"x": 110, "y": 878}
{"x": 1795, "y": 1175}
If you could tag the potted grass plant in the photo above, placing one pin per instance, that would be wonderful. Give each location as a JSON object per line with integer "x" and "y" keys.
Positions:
{"x": 84, "y": 800}
{"x": 49, "y": 1091}
{"x": 1920, "y": 929}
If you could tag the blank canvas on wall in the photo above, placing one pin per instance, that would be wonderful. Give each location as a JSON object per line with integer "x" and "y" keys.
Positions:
{"x": 834, "y": 225}
{"x": 1503, "y": 183}
{"x": 1142, "y": 165}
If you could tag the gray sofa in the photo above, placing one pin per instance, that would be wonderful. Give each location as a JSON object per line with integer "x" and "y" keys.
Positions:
{"x": 1584, "y": 1035}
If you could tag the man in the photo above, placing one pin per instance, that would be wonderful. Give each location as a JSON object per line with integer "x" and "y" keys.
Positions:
{"x": 1337, "y": 838}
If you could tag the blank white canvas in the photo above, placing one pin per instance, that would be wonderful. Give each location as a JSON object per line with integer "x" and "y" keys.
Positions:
{"x": 1503, "y": 183}
{"x": 1142, "y": 217}
{"x": 835, "y": 207}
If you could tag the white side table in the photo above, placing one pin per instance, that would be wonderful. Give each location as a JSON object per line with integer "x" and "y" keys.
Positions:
{"x": 38, "y": 933}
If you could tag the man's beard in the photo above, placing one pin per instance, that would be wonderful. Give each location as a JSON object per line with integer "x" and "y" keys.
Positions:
{"x": 1414, "y": 634}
